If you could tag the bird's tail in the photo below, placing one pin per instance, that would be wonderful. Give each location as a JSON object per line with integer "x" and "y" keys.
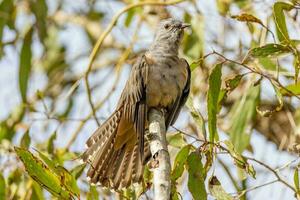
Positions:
{"x": 112, "y": 166}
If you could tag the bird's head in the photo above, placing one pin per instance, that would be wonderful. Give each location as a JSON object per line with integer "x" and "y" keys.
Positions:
{"x": 170, "y": 30}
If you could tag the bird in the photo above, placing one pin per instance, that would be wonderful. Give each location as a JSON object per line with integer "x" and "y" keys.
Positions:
{"x": 118, "y": 150}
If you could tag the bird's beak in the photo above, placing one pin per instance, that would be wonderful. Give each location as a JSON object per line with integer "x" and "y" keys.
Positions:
{"x": 185, "y": 25}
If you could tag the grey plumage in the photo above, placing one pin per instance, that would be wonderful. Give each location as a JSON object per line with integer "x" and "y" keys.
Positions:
{"x": 118, "y": 151}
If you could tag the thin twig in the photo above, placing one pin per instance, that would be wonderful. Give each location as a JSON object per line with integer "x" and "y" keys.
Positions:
{"x": 242, "y": 193}
{"x": 273, "y": 171}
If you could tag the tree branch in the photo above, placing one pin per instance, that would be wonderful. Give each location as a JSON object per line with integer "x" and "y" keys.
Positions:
{"x": 160, "y": 154}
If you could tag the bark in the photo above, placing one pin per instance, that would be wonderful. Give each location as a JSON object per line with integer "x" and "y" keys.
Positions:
{"x": 160, "y": 154}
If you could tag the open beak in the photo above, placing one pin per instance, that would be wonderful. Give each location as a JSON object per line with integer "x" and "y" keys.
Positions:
{"x": 185, "y": 25}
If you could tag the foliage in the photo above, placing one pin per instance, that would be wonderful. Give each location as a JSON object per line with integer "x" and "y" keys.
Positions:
{"x": 245, "y": 76}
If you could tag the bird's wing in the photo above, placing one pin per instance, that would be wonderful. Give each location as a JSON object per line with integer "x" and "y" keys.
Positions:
{"x": 180, "y": 101}
{"x": 133, "y": 99}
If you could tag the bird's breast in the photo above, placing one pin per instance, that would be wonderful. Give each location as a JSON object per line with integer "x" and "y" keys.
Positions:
{"x": 166, "y": 82}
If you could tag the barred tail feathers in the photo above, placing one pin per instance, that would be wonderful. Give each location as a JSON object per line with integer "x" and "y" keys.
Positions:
{"x": 111, "y": 164}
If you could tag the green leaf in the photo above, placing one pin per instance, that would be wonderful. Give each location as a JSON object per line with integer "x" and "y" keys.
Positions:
{"x": 2, "y": 187}
{"x": 269, "y": 50}
{"x": 196, "y": 64}
{"x": 176, "y": 140}
{"x": 223, "y": 6}
{"x": 212, "y": 101}
{"x": 50, "y": 145}
{"x": 196, "y": 176}
{"x": 129, "y": 193}
{"x": 37, "y": 192}
{"x": 77, "y": 171}
{"x": 179, "y": 162}
{"x": 241, "y": 115}
{"x": 239, "y": 160}
{"x": 279, "y": 18}
{"x": 217, "y": 190}
{"x": 296, "y": 63}
{"x": 268, "y": 64}
{"x": 198, "y": 118}
{"x": 4, "y": 130}
{"x": 93, "y": 193}
{"x": 68, "y": 181}
{"x": 232, "y": 83}
{"x": 42, "y": 174}
{"x": 51, "y": 164}
{"x": 178, "y": 169}
{"x": 25, "y": 64}
{"x": 296, "y": 179}
{"x": 129, "y": 17}
{"x": 6, "y": 7}
{"x": 147, "y": 175}
{"x": 69, "y": 107}
{"x": 174, "y": 194}
{"x": 40, "y": 11}
{"x": 94, "y": 15}
{"x": 294, "y": 88}
{"x": 25, "y": 141}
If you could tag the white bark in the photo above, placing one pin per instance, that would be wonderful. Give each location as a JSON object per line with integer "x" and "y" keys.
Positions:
{"x": 160, "y": 154}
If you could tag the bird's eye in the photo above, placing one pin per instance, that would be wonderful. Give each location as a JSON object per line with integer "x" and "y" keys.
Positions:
{"x": 167, "y": 26}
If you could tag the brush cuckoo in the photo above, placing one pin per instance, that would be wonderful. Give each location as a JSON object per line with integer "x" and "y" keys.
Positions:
{"x": 118, "y": 150}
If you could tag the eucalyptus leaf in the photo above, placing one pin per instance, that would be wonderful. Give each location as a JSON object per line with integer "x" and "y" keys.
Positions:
{"x": 6, "y": 7}
{"x": 217, "y": 190}
{"x": 196, "y": 179}
{"x": 296, "y": 179}
{"x": 37, "y": 192}
{"x": 25, "y": 64}
{"x": 269, "y": 50}
{"x": 279, "y": 17}
{"x": 93, "y": 193}
{"x": 78, "y": 170}
{"x": 212, "y": 101}
{"x": 25, "y": 141}
{"x": 176, "y": 140}
{"x": 2, "y": 187}
{"x": 296, "y": 64}
{"x": 42, "y": 174}
{"x": 294, "y": 88}
{"x": 180, "y": 161}
{"x": 50, "y": 145}
{"x": 40, "y": 10}
{"x": 198, "y": 118}
{"x": 129, "y": 17}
